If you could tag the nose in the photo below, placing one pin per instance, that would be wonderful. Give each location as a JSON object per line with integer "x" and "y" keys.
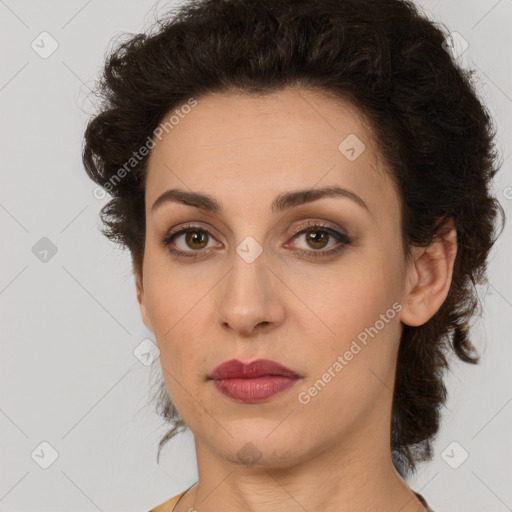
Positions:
{"x": 250, "y": 300}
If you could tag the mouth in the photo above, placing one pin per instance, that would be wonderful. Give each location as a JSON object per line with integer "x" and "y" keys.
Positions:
{"x": 254, "y": 382}
{"x": 236, "y": 369}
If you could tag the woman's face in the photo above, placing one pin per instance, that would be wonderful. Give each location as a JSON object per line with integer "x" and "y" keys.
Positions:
{"x": 326, "y": 303}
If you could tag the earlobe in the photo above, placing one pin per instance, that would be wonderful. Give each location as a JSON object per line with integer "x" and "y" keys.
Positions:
{"x": 139, "y": 287}
{"x": 429, "y": 277}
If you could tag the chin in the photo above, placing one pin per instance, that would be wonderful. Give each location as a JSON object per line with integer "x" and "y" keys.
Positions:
{"x": 258, "y": 448}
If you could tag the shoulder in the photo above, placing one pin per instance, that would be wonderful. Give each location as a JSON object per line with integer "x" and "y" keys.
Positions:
{"x": 168, "y": 505}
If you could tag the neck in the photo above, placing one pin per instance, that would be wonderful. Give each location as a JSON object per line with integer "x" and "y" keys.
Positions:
{"x": 336, "y": 478}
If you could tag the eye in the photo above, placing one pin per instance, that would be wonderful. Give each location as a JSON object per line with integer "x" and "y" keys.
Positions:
{"x": 196, "y": 238}
{"x": 317, "y": 236}
{"x": 193, "y": 237}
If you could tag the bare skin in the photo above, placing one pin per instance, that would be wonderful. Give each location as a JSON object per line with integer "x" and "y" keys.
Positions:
{"x": 332, "y": 452}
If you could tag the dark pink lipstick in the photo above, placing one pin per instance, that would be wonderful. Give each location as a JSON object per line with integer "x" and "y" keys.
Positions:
{"x": 253, "y": 382}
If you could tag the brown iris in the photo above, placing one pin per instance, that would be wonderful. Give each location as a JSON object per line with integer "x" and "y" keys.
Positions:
{"x": 314, "y": 238}
{"x": 193, "y": 237}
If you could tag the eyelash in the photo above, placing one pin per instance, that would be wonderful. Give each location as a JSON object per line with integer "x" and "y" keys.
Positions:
{"x": 310, "y": 226}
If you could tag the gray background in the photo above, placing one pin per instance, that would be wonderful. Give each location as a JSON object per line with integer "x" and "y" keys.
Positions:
{"x": 70, "y": 324}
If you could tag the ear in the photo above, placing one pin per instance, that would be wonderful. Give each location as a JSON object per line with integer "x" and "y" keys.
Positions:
{"x": 139, "y": 287}
{"x": 429, "y": 277}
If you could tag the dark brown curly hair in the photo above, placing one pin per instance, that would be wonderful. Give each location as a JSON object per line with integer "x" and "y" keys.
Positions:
{"x": 387, "y": 59}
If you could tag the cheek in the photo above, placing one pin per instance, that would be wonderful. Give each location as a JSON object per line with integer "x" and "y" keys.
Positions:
{"x": 182, "y": 351}
{"x": 171, "y": 305}
{"x": 169, "y": 295}
{"x": 350, "y": 298}
{"x": 179, "y": 308}
{"x": 356, "y": 363}
{"x": 356, "y": 318}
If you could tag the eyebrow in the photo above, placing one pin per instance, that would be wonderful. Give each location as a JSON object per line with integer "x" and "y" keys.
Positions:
{"x": 282, "y": 202}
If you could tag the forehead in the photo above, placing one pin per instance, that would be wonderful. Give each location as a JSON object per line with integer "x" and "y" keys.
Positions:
{"x": 261, "y": 145}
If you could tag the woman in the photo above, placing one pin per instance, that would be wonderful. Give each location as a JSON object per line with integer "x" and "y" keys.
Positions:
{"x": 303, "y": 187}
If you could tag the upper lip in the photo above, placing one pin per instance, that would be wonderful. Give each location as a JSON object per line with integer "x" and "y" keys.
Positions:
{"x": 236, "y": 369}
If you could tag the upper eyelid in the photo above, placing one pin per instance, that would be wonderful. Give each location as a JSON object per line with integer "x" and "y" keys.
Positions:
{"x": 337, "y": 232}
{"x": 188, "y": 227}
{"x": 308, "y": 224}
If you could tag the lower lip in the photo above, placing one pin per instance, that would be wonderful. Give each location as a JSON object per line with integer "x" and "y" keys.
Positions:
{"x": 252, "y": 391}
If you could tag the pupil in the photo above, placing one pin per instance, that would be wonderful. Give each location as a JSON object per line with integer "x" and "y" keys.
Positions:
{"x": 196, "y": 237}
{"x": 317, "y": 239}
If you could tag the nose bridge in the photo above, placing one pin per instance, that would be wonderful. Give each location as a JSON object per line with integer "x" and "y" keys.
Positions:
{"x": 248, "y": 297}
